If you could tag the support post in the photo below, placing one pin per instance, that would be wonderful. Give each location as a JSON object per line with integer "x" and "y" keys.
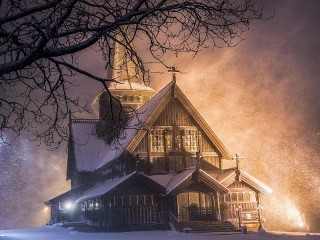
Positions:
{"x": 218, "y": 206}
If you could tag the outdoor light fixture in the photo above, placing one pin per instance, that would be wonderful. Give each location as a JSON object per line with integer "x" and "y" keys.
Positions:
{"x": 68, "y": 205}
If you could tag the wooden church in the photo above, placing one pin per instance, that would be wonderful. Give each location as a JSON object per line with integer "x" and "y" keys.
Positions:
{"x": 159, "y": 165}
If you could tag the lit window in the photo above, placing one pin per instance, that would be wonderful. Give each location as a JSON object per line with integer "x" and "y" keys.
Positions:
{"x": 191, "y": 140}
{"x": 168, "y": 136}
{"x": 158, "y": 141}
{"x": 247, "y": 197}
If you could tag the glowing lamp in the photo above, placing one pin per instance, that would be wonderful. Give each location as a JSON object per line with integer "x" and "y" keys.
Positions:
{"x": 68, "y": 205}
{"x": 301, "y": 224}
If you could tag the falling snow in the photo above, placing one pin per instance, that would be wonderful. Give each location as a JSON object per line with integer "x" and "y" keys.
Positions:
{"x": 264, "y": 103}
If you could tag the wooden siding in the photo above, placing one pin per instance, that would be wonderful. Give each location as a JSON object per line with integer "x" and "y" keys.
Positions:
{"x": 174, "y": 115}
{"x": 142, "y": 146}
{"x": 239, "y": 185}
{"x": 241, "y": 204}
{"x": 206, "y": 146}
{"x": 210, "y": 163}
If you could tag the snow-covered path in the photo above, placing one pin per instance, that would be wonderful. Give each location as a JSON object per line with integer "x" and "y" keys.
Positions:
{"x": 58, "y": 233}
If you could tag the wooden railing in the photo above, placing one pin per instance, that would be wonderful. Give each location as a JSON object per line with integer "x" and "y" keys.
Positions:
{"x": 197, "y": 214}
{"x": 138, "y": 215}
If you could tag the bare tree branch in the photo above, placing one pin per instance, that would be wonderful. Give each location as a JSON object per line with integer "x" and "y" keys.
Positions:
{"x": 40, "y": 41}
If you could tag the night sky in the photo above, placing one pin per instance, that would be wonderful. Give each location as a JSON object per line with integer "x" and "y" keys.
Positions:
{"x": 261, "y": 98}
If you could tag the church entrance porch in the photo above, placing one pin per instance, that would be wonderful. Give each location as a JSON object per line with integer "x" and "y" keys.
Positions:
{"x": 197, "y": 206}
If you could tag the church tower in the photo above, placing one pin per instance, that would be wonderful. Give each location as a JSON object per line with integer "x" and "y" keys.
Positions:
{"x": 129, "y": 91}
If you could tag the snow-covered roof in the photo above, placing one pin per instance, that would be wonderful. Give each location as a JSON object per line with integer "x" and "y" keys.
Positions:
{"x": 162, "y": 179}
{"x": 124, "y": 85}
{"x": 179, "y": 179}
{"x": 172, "y": 182}
{"x": 88, "y": 148}
{"x": 103, "y": 188}
{"x": 227, "y": 178}
{"x": 96, "y": 154}
{"x": 255, "y": 183}
{"x": 93, "y": 154}
{"x": 212, "y": 182}
{"x": 136, "y": 122}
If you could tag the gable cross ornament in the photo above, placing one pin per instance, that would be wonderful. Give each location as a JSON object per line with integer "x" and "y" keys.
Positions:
{"x": 238, "y": 158}
{"x": 174, "y": 70}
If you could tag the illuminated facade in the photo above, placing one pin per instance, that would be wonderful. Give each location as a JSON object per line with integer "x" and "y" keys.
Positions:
{"x": 165, "y": 164}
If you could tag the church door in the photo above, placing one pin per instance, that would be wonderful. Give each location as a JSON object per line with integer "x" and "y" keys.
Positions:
{"x": 196, "y": 206}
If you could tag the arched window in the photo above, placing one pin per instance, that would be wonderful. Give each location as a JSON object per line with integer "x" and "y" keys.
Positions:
{"x": 240, "y": 197}
{"x": 247, "y": 197}
{"x": 227, "y": 197}
{"x": 253, "y": 197}
{"x": 234, "y": 197}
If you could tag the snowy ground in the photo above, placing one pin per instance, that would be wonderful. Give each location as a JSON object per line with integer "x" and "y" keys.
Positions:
{"x": 59, "y": 233}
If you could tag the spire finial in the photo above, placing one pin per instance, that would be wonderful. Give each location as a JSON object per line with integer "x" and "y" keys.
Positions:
{"x": 174, "y": 70}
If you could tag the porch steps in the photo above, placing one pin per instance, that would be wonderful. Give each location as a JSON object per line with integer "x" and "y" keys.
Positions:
{"x": 207, "y": 226}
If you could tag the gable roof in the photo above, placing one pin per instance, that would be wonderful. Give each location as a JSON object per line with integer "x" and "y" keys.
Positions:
{"x": 176, "y": 183}
{"x": 109, "y": 186}
{"x": 229, "y": 177}
{"x": 179, "y": 179}
{"x": 255, "y": 183}
{"x": 202, "y": 123}
{"x": 88, "y": 148}
{"x": 72, "y": 194}
{"x": 172, "y": 184}
{"x": 146, "y": 115}
{"x": 103, "y": 188}
{"x": 212, "y": 182}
